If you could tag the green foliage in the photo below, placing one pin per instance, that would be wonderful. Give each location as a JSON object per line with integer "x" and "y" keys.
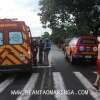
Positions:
{"x": 69, "y": 17}
{"x": 45, "y": 35}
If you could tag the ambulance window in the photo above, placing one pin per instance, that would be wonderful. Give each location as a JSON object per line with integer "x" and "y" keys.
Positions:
{"x": 15, "y": 38}
{"x": 1, "y": 38}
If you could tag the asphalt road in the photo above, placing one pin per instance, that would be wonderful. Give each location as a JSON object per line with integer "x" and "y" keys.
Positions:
{"x": 58, "y": 81}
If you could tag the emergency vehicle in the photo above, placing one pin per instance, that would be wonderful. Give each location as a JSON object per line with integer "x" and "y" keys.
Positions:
{"x": 15, "y": 45}
{"x": 81, "y": 48}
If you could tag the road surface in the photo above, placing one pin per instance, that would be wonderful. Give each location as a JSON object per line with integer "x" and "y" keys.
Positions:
{"x": 58, "y": 81}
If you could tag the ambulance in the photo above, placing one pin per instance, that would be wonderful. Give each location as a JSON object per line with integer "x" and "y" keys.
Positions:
{"x": 15, "y": 45}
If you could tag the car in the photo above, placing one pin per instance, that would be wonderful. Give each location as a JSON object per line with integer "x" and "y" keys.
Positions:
{"x": 65, "y": 44}
{"x": 81, "y": 48}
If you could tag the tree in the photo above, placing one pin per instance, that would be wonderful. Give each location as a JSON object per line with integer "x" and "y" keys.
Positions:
{"x": 83, "y": 14}
{"x": 45, "y": 35}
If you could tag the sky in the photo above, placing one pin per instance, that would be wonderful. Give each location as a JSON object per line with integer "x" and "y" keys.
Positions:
{"x": 25, "y": 10}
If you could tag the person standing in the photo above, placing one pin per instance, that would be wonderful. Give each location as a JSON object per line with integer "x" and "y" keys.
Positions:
{"x": 47, "y": 48}
{"x": 41, "y": 48}
{"x": 97, "y": 81}
{"x": 34, "y": 51}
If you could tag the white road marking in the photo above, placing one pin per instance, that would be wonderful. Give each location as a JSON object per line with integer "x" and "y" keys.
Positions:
{"x": 50, "y": 59}
{"x": 43, "y": 80}
{"x": 29, "y": 86}
{"x": 59, "y": 85}
{"x": 5, "y": 84}
{"x": 42, "y": 84}
{"x": 88, "y": 85}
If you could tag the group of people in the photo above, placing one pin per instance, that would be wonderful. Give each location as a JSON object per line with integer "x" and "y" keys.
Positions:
{"x": 42, "y": 49}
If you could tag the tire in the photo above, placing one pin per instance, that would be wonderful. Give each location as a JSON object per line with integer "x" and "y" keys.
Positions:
{"x": 72, "y": 59}
{"x": 30, "y": 69}
{"x": 66, "y": 56}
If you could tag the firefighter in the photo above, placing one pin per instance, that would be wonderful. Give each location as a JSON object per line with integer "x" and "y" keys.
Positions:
{"x": 41, "y": 48}
{"x": 47, "y": 47}
{"x": 35, "y": 51}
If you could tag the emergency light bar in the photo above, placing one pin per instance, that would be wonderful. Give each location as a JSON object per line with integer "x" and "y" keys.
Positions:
{"x": 5, "y": 19}
{"x": 8, "y": 25}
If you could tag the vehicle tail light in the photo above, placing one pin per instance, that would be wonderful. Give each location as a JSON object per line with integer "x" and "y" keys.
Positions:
{"x": 81, "y": 48}
{"x": 95, "y": 49}
{"x": 75, "y": 49}
{"x": 22, "y": 56}
{"x": 29, "y": 53}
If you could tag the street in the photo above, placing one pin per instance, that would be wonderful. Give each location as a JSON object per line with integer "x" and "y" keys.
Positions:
{"x": 71, "y": 82}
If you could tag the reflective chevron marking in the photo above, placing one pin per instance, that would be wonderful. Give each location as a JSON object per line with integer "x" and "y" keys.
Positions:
{"x": 12, "y": 52}
{"x": 5, "y": 84}
{"x": 29, "y": 86}
{"x": 20, "y": 48}
{"x": 88, "y": 85}
{"x": 59, "y": 85}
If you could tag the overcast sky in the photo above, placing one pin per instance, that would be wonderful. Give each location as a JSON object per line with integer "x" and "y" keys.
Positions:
{"x": 25, "y": 10}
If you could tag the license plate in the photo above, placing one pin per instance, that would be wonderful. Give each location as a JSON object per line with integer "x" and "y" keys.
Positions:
{"x": 88, "y": 57}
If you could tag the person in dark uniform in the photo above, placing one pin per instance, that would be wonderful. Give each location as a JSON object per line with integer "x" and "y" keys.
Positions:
{"x": 35, "y": 51}
{"x": 47, "y": 48}
{"x": 41, "y": 48}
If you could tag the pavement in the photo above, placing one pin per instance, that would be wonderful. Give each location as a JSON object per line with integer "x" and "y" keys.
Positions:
{"x": 58, "y": 81}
